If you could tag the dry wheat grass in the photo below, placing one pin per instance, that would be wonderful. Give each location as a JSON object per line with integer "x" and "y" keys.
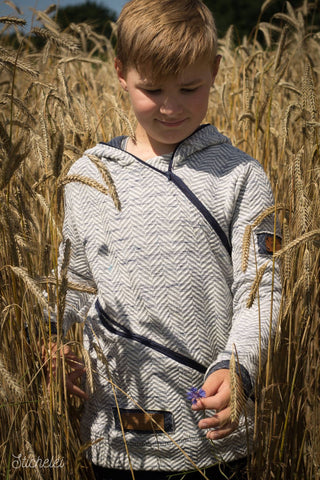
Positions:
{"x": 62, "y": 98}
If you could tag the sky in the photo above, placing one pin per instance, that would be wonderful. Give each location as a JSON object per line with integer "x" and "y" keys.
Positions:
{"x": 25, "y": 5}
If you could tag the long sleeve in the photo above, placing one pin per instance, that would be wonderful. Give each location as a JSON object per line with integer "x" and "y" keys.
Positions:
{"x": 77, "y": 302}
{"x": 251, "y": 327}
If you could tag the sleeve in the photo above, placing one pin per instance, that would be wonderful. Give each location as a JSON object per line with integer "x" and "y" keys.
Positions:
{"x": 77, "y": 302}
{"x": 253, "y": 326}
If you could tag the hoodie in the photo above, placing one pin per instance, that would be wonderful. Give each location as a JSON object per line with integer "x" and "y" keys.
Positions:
{"x": 164, "y": 278}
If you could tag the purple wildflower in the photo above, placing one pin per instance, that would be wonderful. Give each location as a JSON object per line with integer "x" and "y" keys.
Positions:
{"x": 194, "y": 394}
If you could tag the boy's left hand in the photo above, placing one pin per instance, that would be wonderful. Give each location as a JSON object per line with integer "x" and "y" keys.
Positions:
{"x": 77, "y": 368}
{"x": 218, "y": 395}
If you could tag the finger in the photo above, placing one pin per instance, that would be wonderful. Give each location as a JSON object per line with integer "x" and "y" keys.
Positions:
{"x": 223, "y": 432}
{"x": 74, "y": 362}
{"x": 75, "y": 390}
{"x": 218, "y": 420}
{"x": 216, "y": 402}
{"x": 75, "y": 374}
{"x": 64, "y": 350}
{"x": 71, "y": 359}
{"x": 70, "y": 377}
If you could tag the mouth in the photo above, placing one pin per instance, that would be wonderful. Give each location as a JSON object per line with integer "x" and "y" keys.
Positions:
{"x": 171, "y": 123}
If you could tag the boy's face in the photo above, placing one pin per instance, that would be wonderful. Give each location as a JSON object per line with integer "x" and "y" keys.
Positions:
{"x": 171, "y": 109}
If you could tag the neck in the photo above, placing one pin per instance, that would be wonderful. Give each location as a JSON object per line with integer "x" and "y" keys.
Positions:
{"x": 145, "y": 148}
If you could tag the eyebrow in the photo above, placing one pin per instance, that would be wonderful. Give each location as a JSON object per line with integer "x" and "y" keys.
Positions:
{"x": 146, "y": 83}
{"x": 192, "y": 82}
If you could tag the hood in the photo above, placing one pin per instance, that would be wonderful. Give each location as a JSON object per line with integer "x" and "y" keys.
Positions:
{"x": 206, "y": 136}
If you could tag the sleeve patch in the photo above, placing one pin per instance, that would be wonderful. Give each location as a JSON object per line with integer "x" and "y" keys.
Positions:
{"x": 265, "y": 243}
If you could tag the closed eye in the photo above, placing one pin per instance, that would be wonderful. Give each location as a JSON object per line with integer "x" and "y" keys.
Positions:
{"x": 188, "y": 90}
{"x": 150, "y": 91}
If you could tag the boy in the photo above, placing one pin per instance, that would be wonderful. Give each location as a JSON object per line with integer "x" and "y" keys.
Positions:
{"x": 171, "y": 294}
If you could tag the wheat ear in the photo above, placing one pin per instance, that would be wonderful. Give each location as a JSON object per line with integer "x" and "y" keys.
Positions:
{"x": 31, "y": 284}
{"x": 255, "y": 285}
{"x": 246, "y": 247}
{"x": 307, "y": 237}
{"x": 237, "y": 399}
{"x": 267, "y": 212}
{"x": 64, "y": 281}
{"x": 25, "y": 428}
{"x": 78, "y": 287}
{"x": 86, "y": 181}
{"x": 288, "y": 256}
{"x": 10, "y": 381}
{"x": 107, "y": 179}
{"x": 89, "y": 376}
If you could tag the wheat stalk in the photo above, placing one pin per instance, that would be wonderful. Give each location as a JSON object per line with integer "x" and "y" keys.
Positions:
{"x": 278, "y": 86}
{"x": 280, "y": 49}
{"x": 104, "y": 361}
{"x": 13, "y": 6}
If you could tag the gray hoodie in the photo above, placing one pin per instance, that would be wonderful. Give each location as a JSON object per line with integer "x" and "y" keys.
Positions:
{"x": 163, "y": 275}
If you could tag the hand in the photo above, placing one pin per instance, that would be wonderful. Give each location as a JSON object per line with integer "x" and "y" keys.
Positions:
{"x": 218, "y": 394}
{"x": 72, "y": 360}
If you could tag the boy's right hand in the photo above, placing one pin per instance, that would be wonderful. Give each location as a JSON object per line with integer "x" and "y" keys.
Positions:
{"x": 72, "y": 360}
{"x": 218, "y": 395}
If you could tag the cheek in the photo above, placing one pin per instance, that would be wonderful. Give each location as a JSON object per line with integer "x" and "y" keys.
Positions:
{"x": 142, "y": 106}
{"x": 200, "y": 104}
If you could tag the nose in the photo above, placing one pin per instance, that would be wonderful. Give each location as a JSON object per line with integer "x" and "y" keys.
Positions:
{"x": 170, "y": 106}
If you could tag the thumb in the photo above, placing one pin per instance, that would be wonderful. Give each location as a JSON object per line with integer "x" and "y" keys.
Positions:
{"x": 217, "y": 389}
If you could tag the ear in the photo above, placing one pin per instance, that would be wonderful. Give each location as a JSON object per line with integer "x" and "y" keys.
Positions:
{"x": 119, "y": 69}
{"x": 216, "y": 67}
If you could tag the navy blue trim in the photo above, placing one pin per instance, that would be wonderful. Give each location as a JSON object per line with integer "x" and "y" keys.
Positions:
{"x": 242, "y": 372}
{"x": 202, "y": 209}
{"x": 53, "y": 327}
{"x": 201, "y": 127}
{"x": 123, "y": 331}
{"x": 116, "y": 143}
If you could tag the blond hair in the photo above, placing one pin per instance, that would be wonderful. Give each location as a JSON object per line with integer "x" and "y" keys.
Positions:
{"x": 163, "y": 37}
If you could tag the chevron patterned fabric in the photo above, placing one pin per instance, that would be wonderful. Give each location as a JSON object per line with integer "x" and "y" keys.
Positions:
{"x": 161, "y": 271}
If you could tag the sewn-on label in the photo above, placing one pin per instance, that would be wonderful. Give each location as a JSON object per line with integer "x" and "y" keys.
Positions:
{"x": 134, "y": 420}
{"x": 266, "y": 242}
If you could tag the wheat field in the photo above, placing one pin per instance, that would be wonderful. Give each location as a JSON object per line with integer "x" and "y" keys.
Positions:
{"x": 59, "y": 95}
